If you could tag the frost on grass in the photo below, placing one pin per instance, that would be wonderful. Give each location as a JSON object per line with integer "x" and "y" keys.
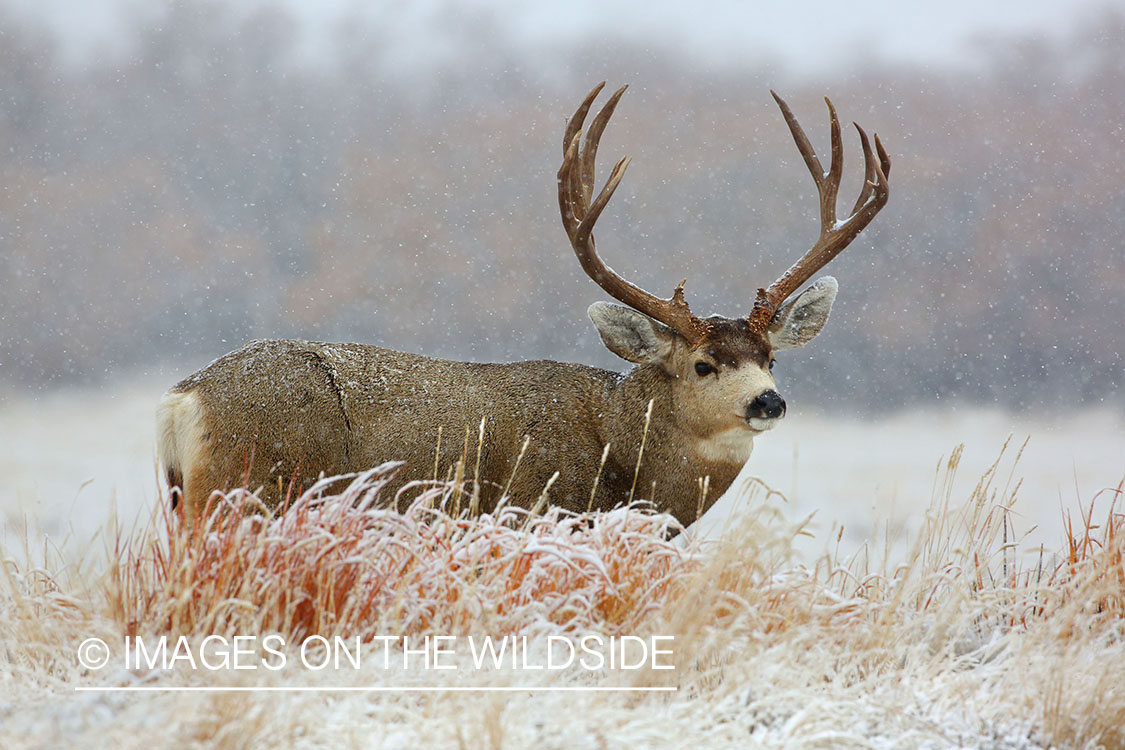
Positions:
{"x": 341, "y": 565}
{"x": 963, "y": 643}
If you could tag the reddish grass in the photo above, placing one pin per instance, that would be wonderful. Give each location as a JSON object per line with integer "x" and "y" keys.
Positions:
{"x": 337, "y": 564}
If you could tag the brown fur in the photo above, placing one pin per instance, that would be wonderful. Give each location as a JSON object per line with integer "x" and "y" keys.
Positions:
{"x": 274, "y": 411}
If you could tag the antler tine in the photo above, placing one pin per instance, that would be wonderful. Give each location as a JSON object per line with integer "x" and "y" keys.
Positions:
{"x": 884, "y": 159}
{"x": 575, "y": 187}
{"x": 574, "y": 124}
{"x": 802, "y": 140}
{"x": 868, "y": 170}
{"x": 568, "y": 206}
{"x": 827, "y": 183}
{"x": 593, "y": 138}
{"x": 835, "y": 172}
{"x": 585, "y": 235}
{"x": 573, "y": 211}
{"x": 834, "y": 235}
{"x": 874, "y": 172}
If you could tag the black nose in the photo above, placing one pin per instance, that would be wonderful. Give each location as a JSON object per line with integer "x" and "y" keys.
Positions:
{"x": 768, "y": 405}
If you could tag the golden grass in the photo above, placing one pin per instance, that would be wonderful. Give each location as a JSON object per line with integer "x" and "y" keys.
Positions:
{"x": 966, "y": 641}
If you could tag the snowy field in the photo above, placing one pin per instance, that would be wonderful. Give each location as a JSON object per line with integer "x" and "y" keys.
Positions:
{"x": 182, "y": 173}
{"x": 775, "y": 646}
{"x": 72, "y": 457}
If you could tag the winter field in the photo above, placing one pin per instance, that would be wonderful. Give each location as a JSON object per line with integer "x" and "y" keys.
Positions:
{"x": 935, "y": 598}
{"x": 180, "y": 177}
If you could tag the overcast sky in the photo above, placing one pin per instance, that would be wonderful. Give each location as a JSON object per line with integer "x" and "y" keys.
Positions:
{"x": 802, "y": 36}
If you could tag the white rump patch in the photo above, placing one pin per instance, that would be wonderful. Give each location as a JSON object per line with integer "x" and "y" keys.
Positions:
{"x": 179, "y": 434}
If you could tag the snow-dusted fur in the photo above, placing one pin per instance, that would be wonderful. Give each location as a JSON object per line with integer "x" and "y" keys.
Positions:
{"x": 281, "y": 413}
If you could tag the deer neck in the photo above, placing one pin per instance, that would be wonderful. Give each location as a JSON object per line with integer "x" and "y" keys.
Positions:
{"x": 627, "y": 414}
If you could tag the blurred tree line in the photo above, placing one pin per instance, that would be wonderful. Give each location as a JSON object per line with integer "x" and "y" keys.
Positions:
{"x": 211, "y": 186}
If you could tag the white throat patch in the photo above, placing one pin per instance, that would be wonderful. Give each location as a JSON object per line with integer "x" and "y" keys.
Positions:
{"x": 731, "y": 446}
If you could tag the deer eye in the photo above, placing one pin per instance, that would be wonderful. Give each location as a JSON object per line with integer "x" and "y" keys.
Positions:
{"x": 703, "y": 369}
{"x": 772, "y": 363}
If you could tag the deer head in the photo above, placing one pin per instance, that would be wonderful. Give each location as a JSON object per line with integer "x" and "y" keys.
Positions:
{"x": 721, "y": 366}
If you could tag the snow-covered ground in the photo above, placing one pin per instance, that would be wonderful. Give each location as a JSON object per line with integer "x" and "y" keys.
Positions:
{"x": 68, "y": 458}
{"x": 879, "y": 476}
{"x": 772, "y": 656}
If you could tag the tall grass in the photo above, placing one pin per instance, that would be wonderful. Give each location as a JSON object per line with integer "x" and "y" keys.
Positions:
{"x": 968, "y": 640}
{"x": 338, "y": 564}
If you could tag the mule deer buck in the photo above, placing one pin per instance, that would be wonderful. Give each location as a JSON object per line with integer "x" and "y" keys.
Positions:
{"x": 276, "y": 411}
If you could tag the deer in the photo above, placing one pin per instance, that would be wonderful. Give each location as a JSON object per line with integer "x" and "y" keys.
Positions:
{"x": 675, "y": 429}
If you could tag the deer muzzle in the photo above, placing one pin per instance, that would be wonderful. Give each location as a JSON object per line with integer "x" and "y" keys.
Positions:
{"x": 763, "y": 412}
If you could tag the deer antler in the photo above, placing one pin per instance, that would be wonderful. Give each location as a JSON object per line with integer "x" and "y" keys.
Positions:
{"x": 576, "y": 183}
{"x": 834, "y": 235}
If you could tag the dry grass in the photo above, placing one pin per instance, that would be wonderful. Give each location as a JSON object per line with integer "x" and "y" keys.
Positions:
{"x": 968, "y": 641}
{"x": 340, "y": 565}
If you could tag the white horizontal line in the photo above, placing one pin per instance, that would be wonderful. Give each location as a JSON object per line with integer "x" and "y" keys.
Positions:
{"x": 371, "y": 689}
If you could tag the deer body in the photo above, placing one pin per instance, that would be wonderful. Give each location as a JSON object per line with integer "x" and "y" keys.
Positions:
{"x": 295, "y": 408}
{"x": 277, "y": 413}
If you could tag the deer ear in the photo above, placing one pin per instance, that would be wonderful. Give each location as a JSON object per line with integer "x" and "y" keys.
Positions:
{"x": 631, "y": 335}
{"x": 798, "y": 321}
